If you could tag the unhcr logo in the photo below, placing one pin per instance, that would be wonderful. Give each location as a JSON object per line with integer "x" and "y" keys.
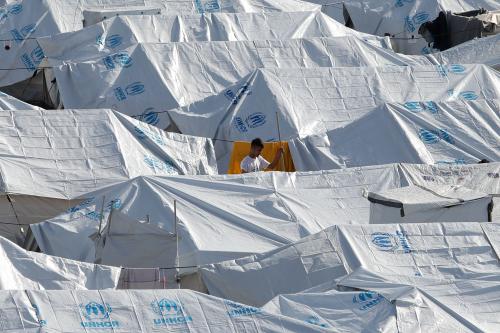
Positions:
{"x": 468, "y": 95}
{"x": 170, "y": 311}
{"x": 411, "y": 22}
{"x": 367, "y": 300}
{"x": 434, "y": 136}
{"x": 150, "y": 116}
{"x": 110, "y": 41}
{"x": 391, "y": 242}
{"x": 419, "y": 107}
{"x": 13, "y": 9}
{"x": 121, "y": 59}
{"x": 239, "y": 310}
{"x": 401, "y": 3}
{"x": 132, "y": 89}
{"x": 97, "y": 315}
{"x": 256, "y": 119}
{"x": 20, "y": 35}
{"x": 315, "y": 320}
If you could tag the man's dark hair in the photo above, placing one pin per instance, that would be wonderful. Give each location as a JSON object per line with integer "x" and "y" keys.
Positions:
{"x": 257, "y": 142}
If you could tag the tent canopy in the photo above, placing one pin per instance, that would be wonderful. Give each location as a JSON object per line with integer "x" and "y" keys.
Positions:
{"x": 429, "y": 204}
{"x": 28, "y": 270}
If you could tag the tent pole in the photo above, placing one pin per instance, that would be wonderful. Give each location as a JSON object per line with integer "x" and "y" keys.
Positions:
{"x": 282, "y": 162}
{"x": 177, "y": 264}
{"x": 101, "y": 215}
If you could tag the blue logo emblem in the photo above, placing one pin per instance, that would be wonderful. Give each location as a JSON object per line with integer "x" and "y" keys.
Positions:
{"x": 95, "y": 310}
{"x": 239, "y": 310}
{"x": 235, "y": 97}
{"x": 37, "y": 55}
{"x": 256, "y": 119}
{"x": 428, "y": 136}
{"x": 456, "y": 69}
{"x": 411, "y": 23}
{"x": 431, "y": 107}
{"x": 391, "y": 242}
{"x": 239, "y": 124}
{"x": 432, "y": 136}
{"x": 401, "y": 3}
{"x": 163, "y": 166}
{"x": 132, "y": 89}
{"x": 413, "y": 106}
{"x": 135, "y": 88}
{"x": 385, "y": 241}
{"x": 150, "y": 116}
{"x": 468, "y": 95}
{"x": 314, "y": 320}
{"x": 426, "y": 50}
{"x": 110, "y": 41}
{"x": 367, "y": 300}
{"x": 170, "y": 311}
{"x": 121, "y": 59}
{"x": 15, "y": 9}
{"x": 80, "y": 206}
{"x": 97, "y": 315}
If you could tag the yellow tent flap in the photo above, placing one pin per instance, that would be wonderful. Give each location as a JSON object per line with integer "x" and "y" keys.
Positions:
{"x": 242, "y": 148}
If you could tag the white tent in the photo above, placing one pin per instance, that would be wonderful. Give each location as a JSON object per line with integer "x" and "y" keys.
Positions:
{"x": 51, "y": 156}
{"x": 429, "y": 204}
{"x": 310, "y": 102}
{"x": 345, "y": 312}
{"x": 28, "y": 270}
{"x": 442, "y": 251}
{"x": 413, "y": 132}
{"x": 129, "y": 30}
{"x": 24, "y": 21}
{"x": 435, "y": 305}
{"x": 220, "y": 217}
{"x": 10, "y": 103}
{"x": 226, "y": 217}
{"x": 186, "y": 311}
{"x": 402, "y": 18}
{"x": 136, "y": 82}
{"x": 480, "y": 51}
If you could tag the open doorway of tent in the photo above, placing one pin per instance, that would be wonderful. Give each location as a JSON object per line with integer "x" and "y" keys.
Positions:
{"x": 242, "y": 148}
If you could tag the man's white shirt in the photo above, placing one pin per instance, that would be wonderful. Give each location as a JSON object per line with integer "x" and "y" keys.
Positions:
{"x": 249, "y": 164}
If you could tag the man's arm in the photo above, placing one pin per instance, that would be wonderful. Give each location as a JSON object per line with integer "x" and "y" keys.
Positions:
{"x": 276, "y": 160}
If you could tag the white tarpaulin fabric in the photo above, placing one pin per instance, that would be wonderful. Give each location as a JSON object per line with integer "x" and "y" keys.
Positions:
{"x": 28, "y": 270}
{"x": 344, "y": 312}
{"x": 429, "y": 204}
{"x": 412, "y": 132}
{"x": 308, "y": 102}
{"x": 61, "y": 154}
{"x": 132, "y": 82}
{"x": 435, "y": 305}
{"x": 184, "y": 311}
{"x": 435, "y": 250}
{"x": 479, "y": 51}
{"x": 23, "y": 21}
{"x": 402, "y": 18}
{"x": 10, "y": 103}
{"x": 219, "y": 218}
{"x": 121, "y": 32}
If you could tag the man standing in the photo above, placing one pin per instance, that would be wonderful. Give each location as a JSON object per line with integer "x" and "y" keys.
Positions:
{"x": 253, "y": 162}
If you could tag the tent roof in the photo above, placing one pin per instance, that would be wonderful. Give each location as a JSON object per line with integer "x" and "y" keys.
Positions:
{"x": 436, "y": 196}
{"x": 10, "y": 103}
{"x": 28, "y": 270}
{"x": 50, "y": 17}
{"x": 132, "y": 81}
{"x": 225, "y": 217}
{"x": 66, "y": 153}
{"x": 129, "y": 30}
{"x": 455, "y": 132}
{"x": 137, "y": 311}
{"x": 440, "y": 251}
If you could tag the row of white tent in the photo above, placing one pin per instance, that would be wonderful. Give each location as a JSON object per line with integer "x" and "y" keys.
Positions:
{"x": 194, "y": 220}
{"x": 50, "y": 159}
{"x": 389, "y": 278}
